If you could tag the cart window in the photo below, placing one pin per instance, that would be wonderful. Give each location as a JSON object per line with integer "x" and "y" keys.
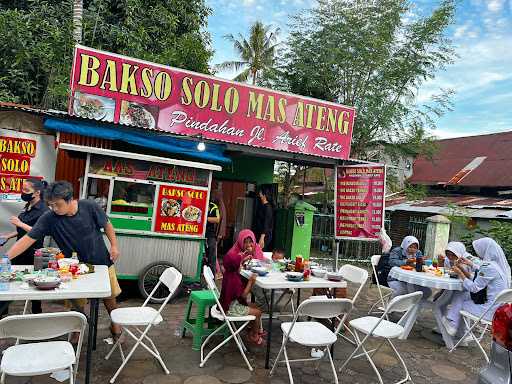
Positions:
{"x": 132, "y": 199}
{"x": 97, "y": 190}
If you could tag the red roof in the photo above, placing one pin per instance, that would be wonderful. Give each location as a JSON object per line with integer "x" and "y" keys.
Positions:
{"x": 451, "y": 162}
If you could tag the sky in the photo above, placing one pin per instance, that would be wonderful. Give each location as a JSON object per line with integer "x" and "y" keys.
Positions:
{"x": 481, "y": 75}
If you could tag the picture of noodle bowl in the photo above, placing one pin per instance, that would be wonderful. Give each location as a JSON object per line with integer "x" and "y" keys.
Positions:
{"x": 170, "y": 208}
{"x": 191, "y": 213}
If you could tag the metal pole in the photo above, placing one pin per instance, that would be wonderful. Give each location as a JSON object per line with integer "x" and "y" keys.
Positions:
{"x": 337, "y": 255}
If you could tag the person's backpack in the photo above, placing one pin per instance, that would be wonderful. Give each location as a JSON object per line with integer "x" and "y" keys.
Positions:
{"x": 382, "y": 269}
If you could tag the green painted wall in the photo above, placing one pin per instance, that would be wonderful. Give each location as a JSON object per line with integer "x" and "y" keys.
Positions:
{"x": 249, "y": 169}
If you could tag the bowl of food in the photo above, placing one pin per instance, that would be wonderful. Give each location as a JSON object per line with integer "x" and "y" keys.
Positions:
{"x": 319, "y": 272}
{"x": 334, "y": 276}
{"x": 261, "y": 271}
{"x": 46, "y": 282}
{"x": 294, "y": 276}
{"x": 29, "y": 277}
{"x": 68, "y": 262}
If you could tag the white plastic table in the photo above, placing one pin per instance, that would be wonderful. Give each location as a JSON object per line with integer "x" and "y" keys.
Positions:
{"x": 446, "y": 284}
{"x": 92, "y": 286}
{"x": 277, "y": 280}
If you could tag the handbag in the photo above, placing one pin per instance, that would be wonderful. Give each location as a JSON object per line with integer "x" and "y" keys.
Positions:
{"x": 479, "y": 297}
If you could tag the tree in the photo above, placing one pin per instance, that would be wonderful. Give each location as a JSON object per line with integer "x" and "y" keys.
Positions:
{"x": 37, "y": 41}
{"x": 364, "y": 54}
{"x": 256, "y": 54}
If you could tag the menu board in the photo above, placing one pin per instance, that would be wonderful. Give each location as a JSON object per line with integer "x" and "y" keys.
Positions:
{"x": 359, "y": 201}
{"x": 181, "y": 210}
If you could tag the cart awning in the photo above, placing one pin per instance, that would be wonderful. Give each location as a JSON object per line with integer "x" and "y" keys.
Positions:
{"x": 213, "y": 152}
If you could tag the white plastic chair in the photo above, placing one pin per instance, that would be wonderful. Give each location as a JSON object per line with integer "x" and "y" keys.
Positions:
{"x": 229, "y": 321}
{"x": 311, "y": 333}
{"x": 478, "y": 321}
{"x": 135, "y": 317}
{"x": 379, "y": 327}
{"x": 384, "y": 292}
{"x": 34, "y": 359}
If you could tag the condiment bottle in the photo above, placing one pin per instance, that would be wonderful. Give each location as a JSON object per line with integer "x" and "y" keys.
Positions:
{"x": 53, "y": 263}
{"x": 419, "y": 264}
{"x": 298, "y": 264}
{"x": 435, "y": 262}
{"x": 307, "y": 270}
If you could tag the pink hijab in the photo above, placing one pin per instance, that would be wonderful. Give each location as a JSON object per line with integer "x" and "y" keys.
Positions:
{"x": 232, "y": 285}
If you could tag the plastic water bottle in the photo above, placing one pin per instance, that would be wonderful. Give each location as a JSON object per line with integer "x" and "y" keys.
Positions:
{"x": 5, "y": 273}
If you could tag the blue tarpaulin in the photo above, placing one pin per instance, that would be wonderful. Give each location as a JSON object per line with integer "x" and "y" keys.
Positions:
{"x": 213, "y": 152}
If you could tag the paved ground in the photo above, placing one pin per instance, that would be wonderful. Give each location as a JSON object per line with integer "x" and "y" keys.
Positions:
{"x": 427, "y": 361}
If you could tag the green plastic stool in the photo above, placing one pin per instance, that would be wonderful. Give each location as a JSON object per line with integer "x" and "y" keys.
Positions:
{"x": 203, "y": 300}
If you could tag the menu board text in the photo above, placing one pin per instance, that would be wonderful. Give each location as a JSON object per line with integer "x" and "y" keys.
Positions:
{"x": 360, "y": 201}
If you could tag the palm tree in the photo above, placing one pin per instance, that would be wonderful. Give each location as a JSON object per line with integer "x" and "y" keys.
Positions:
{"x": 256, "y": 54}
{"x": 78, "y": 11}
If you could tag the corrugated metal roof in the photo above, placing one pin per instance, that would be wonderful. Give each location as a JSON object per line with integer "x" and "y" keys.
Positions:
{"x": 472, "y": 206}
{"x": 455, "y": 155}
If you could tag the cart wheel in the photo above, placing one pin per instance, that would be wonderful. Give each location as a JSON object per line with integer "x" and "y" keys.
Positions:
{"x": 148, "y": 279}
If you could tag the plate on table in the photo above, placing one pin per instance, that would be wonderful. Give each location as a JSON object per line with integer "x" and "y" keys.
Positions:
{"x": 29, "y": 277}
{"x": 407, "y": 267}
{"x": 319, "y": 272}
{"x": 334, "y": 276}
{"x": 261, "y": 271}
{"x": 46, "y": 283}
{"x": 294, "y": 276}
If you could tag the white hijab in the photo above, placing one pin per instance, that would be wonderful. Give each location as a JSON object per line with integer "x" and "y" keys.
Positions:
{"x": 406, "y": 243}
{"x": 457, "y": 248}
{"x": 489, "y": 250}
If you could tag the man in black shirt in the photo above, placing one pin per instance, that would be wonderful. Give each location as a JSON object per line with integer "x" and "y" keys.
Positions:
{"x": 212, "y": 224}
{"x": 75, "y": 225}
{"x": 264, "y": 221}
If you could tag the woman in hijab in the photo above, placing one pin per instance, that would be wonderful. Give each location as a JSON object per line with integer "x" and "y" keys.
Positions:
{"x": 454, "y": 251}
{"x": 398, "y": 257}
{"x": 234, "y": 292}
{"x": 489, "y": 278}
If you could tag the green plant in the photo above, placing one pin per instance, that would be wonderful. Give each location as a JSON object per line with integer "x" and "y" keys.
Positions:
{"x": 501, "y": 232}
{"x": 415, "y": 192}
{"x": 374, "y": 56}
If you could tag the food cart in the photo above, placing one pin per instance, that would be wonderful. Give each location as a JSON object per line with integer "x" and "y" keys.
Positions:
{"x": 158, "y": 207}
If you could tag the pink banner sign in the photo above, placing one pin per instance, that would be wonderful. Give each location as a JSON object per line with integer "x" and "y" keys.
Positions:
{"x": 360, "y": 201}
{"x": 119, "y": 89}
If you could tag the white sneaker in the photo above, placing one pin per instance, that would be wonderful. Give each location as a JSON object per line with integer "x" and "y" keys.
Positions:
{"x": 317, "y": 353}
{"x": 450, "y": 329}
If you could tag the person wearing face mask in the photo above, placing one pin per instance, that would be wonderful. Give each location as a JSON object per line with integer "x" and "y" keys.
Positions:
{"x": 32, "y": 193}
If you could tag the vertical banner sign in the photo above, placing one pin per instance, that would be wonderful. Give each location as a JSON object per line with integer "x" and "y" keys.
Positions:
{"x": 16, "y": 155}
{"x": 181, "y": 210}
{"x": 360, "y": 201}
{"x": 119, "y": 89}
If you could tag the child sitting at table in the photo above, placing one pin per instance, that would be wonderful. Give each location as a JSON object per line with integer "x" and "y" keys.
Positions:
{"x": 277, "y": 254}
{"x": 234, "y": 292}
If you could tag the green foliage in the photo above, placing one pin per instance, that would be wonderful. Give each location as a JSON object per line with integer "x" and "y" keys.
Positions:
{"x": 501, "y": 231}
{"x": 364, "y": 54}
{"x": 256, "y": 54}
{"x": 415, "y": 192}
{"x": 37, "y": 43}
